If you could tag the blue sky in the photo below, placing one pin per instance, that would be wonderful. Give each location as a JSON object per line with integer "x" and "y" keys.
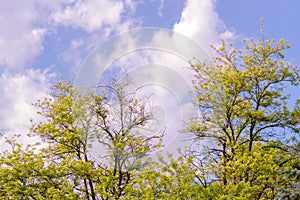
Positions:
{"x": 41, "y": 39}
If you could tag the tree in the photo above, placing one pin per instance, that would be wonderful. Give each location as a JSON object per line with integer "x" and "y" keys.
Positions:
{"x": 240, "y": 95}
{"x": 168, "y": 178}
{"x": 65, "y": 165}
{"x": 95, "y": 142}
{"x": 26, "y": 174}
{"x": 256, "y": 174}
{"x": 293, "y": 174}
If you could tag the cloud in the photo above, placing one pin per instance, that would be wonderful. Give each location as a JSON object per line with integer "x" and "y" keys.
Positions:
{"x": 26, "y": 23}
{"x": 155, "y": 59}
{"x": 19, "y": 41}
{"x": 18, "y": 92}
{"x": 24, "y": 27}
{"x": 161, "y": 8}
{"x": 99, "y": 19}
{"x": 92, "y": 15}
{"x": 201, "y": 22}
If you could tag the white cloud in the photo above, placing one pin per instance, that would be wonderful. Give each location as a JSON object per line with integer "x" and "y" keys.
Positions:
{"x": 227, "y": 35}
{"x": 73, "y": 53}
{"x": 201, "y": 22}
{"x": 25, "y": 23}
{"x": 92, "y": 15}
{"x": 19, "y": 41}
{"x": 154, "y": 59}
{"x": 18, "y": 92}
{"x": 161, "y": 8}
{"x": 24, "y": 27}
{"x": 100, "y": 18}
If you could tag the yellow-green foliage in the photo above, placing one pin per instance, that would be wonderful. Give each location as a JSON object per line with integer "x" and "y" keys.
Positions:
{"x": 243, "y": 111}
{"x": 240, "y": 94}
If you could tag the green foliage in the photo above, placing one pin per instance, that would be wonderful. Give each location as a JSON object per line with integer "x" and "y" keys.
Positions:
{"x": 255, "y": 174}
{"x": 64, "y": 166}
{"x": 172, "y": 179}
{"x": 95, "y": 142}
{"x": 292, "y": 192}
{"x": 240, "y": 94}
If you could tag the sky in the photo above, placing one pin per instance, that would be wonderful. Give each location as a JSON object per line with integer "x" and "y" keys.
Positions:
{"x": 41, "y": 39}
